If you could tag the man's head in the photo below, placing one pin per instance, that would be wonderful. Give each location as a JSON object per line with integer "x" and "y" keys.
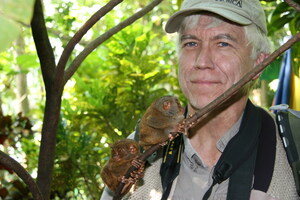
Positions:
{"x": 219, "y": 42}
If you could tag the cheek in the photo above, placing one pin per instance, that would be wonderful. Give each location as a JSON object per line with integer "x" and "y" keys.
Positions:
{"x": 182, "y": 74}
{"x": 235, "y": 69}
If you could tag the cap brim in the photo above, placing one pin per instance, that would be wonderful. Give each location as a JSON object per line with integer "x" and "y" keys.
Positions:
{"x": 175, "y": 21}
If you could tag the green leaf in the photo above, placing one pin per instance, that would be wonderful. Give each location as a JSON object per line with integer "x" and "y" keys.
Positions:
{"x": 279, "y": 23}
{"x": 272, "y": 71}
{"x": 9, "y": 32}
{"x": 295, "y": 24}
{"x": 278, "y": 11}
{"x": 17, "y": 10}
{"x": 12, "y": 14}
{"x": 28, "y": 61}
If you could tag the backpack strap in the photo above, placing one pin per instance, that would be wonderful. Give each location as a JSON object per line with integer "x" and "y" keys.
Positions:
{"x": 266, "y": 154}
{"x": 171, "y": 164}
{"x": 240, "y": 183}
{"x": 288, "y": 122}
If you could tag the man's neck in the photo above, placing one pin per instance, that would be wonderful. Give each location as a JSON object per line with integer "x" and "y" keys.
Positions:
{"x": 208, "y": 132}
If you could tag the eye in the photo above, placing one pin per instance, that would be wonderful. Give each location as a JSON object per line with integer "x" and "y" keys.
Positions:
{"x": 190, "y": 44}
{"x": 223, "y": 44}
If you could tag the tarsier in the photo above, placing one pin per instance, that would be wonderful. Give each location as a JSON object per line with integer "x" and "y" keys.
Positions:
{"x": 124, "y": 154}
{"x": 160, "y": 120}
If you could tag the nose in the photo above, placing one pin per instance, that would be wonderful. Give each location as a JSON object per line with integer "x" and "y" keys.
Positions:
{"x": 203, "y": 58}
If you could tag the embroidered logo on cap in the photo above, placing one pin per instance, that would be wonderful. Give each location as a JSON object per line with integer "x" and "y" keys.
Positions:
{"x": 234, "y": 2}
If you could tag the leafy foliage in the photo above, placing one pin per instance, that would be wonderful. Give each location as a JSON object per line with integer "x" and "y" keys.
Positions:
{"x": 285, "y": 16}
{"x": 112, "y": 88}
{"x": 110, "y": 97}
{"x": 15, "y": 135}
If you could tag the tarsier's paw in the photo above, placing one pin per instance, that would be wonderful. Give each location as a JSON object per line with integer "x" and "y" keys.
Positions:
{"x": 128, "y": 182}
{"x": 140, "y": 165}
{"x": 137, "y": 163}
{"x": 181, "y": 128}
{"x": 163, "y": 143}
{"x": 137, "y": 174}
{"x": 173, "y": 135}
{"x": 184, "y": 126}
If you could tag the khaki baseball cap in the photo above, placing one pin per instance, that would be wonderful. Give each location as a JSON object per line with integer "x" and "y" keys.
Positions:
{"x": 244, "y": 12}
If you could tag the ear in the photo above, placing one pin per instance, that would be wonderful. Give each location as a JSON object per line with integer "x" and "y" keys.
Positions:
{"x": 260, "y": 58}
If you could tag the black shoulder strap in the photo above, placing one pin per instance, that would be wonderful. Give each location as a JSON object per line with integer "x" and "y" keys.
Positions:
{"x": 240, "y": 183}
{"x": 266, "y": 154}
{"x": 171, "y": 164}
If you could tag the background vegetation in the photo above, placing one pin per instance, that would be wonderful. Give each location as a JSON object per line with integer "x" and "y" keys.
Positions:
{"x": 107, "y": 95}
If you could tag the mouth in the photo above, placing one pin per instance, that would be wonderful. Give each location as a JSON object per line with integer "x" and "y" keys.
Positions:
{"x": 204, "y": 82}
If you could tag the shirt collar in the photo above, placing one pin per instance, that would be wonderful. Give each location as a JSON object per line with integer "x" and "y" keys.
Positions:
{"x": 221, "y": 144}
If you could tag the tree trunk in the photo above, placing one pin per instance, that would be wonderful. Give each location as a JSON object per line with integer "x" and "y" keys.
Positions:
{"x": 21, "y": 82}
{"x": 55, "y": 77}
{"x": 48, "y": 141}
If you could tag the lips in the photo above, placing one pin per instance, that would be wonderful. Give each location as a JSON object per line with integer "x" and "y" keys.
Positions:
{"x": 204, "y": 82}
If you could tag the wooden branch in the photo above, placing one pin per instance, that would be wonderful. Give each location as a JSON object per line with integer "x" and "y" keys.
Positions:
{"x": 83, "y": 30}
{"x": 10, "y": 163}
{"x": 64, "y": 38}
{"x": 293, "y": 4}
{"x": 94, "y": 44}
{"x": 42, "y": 43}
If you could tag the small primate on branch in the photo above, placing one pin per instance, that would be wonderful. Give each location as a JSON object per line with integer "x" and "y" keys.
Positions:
{"x": 160, "y": 121}
{"x": 124, "y": 154}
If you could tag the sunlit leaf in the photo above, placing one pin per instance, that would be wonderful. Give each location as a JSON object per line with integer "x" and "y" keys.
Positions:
{"x": 13, "y": 14}
{"x": 9, "y": 32}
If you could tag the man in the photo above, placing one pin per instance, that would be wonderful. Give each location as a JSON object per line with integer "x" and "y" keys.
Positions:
{"x": 235, "y": 152}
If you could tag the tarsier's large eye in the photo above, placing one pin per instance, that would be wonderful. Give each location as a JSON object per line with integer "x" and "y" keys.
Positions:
{"x": 166, "y": 105}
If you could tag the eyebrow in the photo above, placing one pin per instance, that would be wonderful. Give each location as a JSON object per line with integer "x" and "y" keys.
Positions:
{"x": 217, "y": 37}
{"x": 224, "y": 36}
{"x": 187, "y": 37}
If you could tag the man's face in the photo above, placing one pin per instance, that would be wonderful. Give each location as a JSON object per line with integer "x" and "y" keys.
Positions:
{"x": 211, "y": 60}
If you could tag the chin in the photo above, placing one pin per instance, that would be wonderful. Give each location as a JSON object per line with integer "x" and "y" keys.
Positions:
{"x": 198, "y": 104}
